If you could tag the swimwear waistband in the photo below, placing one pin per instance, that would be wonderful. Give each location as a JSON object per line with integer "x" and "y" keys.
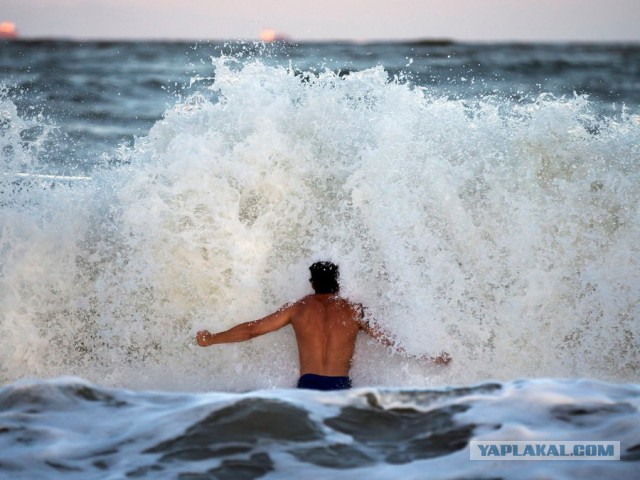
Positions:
{"x": 322, "y": 382}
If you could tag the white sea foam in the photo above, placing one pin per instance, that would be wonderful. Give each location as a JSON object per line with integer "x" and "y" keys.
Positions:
{"x": 502, "y": 232}
{"x": 70, "y": 429}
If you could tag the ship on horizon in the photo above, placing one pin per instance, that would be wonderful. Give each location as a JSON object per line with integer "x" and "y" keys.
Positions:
{"x": 8, "y": 31}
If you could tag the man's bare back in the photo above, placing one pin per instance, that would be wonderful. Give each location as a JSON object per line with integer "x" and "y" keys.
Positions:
{"x": 326, "y": 327}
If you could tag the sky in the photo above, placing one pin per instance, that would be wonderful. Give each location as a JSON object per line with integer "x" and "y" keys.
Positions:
{"x": 356, "y": 20}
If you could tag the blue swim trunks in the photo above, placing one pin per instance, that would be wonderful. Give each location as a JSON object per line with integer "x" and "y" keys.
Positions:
{"x": 312, "y": 381}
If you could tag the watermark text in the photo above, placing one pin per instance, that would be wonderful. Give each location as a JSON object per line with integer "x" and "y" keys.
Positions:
{"x": 543, "y": 450}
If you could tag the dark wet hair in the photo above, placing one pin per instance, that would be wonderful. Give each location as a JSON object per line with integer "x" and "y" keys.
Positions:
{"x": 324, "y": 277}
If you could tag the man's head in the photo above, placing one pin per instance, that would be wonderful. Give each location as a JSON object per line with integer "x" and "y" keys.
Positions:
{"x": 324, "y": 277}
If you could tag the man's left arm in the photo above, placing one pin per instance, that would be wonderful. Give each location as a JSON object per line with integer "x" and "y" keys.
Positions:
{"x": 248, "y": 330}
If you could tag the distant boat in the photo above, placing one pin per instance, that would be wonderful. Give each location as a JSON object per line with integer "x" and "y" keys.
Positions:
{"x": 269, "y": 35}
{"x": 8, "y": 30}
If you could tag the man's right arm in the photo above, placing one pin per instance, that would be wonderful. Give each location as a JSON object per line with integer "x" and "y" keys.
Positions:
{"x": 374, "y": 332}
{"x": 377, "y": 334}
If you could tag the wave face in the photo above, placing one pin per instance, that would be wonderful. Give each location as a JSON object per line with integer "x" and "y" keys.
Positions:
{"x": 367, "y": 433}
{"x": 503, "y": 231}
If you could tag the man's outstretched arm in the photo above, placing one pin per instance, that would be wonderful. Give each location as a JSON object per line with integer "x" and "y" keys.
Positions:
{"x": 248, "y": 330}
{"x": 377, "y": 334}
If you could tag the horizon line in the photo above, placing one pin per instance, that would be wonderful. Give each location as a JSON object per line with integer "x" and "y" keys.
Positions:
{"x": 426, "y": 41}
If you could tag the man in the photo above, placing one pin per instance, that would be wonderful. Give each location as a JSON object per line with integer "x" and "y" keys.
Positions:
{"x": 326, "y": 327}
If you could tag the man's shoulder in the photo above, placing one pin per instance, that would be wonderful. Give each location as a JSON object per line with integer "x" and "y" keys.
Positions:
{"x": 306, "y": 300}
{"x": 303, "y": 303}
{"x": 315, "y": 299}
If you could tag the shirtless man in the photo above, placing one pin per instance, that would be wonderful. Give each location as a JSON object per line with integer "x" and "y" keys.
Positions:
{"x": 326, "y": 328}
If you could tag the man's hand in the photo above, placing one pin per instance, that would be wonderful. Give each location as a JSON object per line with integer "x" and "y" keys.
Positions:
{"x": 443, "y": 359}
{"x": 203, "y": 338}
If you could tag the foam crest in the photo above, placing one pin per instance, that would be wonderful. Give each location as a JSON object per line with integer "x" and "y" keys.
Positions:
{"x": 501, "y": 232}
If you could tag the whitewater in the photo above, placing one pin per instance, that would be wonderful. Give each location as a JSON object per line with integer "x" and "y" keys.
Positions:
{"x": 501, "y": 229}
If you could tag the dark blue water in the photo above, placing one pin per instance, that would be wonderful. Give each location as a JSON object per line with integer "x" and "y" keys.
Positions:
{"x": 73, "y": 430}
{"x": 101, "y": 95}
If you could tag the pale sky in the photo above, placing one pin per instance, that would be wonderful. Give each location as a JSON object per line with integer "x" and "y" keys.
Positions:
{"x": 359, "y": 20}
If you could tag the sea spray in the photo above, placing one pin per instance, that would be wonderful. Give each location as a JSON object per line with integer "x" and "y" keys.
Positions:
{"x": 502, "y": 231}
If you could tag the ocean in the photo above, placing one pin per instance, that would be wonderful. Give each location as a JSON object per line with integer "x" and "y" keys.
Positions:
{"x": 480, "y": 199}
